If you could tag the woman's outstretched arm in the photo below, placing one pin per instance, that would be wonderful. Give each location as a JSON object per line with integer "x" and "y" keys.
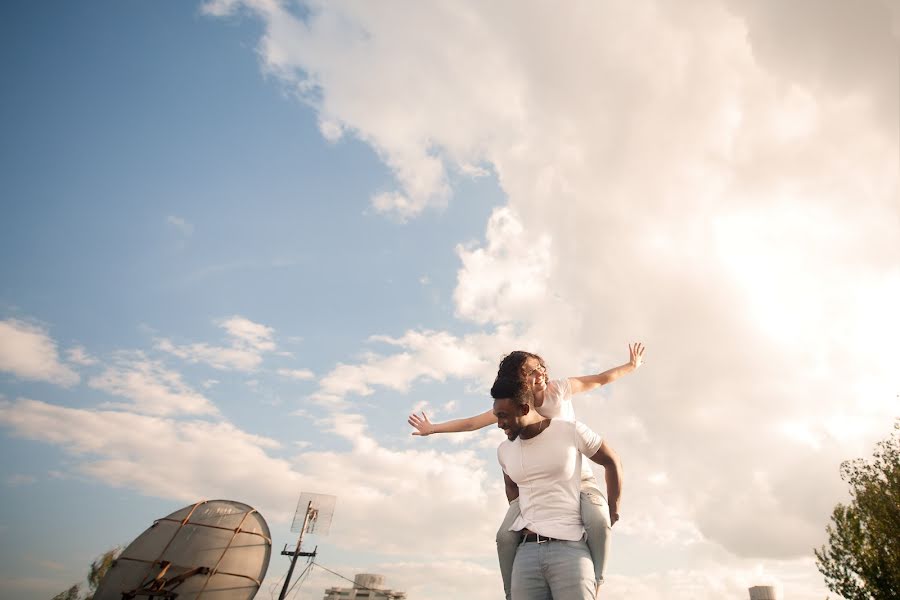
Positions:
{"x": 425, "y": 427}
{"x": 587, "y": 383}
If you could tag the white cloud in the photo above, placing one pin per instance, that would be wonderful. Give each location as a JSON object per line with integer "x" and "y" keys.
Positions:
{"x": 27, "y": 351}
{"x": 704, "y": 178}
{"x": 188, "y": 459}
{"x": 80, "y": 356}
{"x": 458, "y": 499}
{"x": 249, "y": 341}
{"x": 792, "y": 579}
{"x": 253, "y": 335}
{"x": 182, "y": 460}
{"x": 151, "y": 388}
{"x": 218, "y": 357}
{"x": 513, "y": 270}
{"x": 425, "y": 356}
{"x": 180, "y": 224}
{"x": 20, "y": 479}
{"x": 298, "y": 374}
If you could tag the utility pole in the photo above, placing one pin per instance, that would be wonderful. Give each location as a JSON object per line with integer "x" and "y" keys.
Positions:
{"x": 317, "y": 510}
{"x": 296, "y": 552}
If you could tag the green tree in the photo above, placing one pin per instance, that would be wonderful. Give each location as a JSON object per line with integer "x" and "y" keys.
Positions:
{"x": 96, "y": 573}
{"x": 70, "y": 594}
{"x": 99, "y": 568}
{"x": 861, "y": 560}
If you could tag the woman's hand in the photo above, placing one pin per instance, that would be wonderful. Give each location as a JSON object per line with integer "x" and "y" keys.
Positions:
{"x": 636, "y": 354}
{"x": 422, "y": 424}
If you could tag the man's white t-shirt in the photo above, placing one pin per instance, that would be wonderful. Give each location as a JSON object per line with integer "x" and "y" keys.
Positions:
{"x": 558, "y": 405}
{"x": 547, "y": 469}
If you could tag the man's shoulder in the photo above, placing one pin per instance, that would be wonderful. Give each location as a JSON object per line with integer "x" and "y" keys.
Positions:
{"x": 563, "y": 424}
{"x": 506, "y": 445}
{"x": 571, "y": 429}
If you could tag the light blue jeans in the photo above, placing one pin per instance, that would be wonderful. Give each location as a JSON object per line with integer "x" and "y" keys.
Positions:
{"x": 594, "y": 514}
{"x": 553, "y": 570}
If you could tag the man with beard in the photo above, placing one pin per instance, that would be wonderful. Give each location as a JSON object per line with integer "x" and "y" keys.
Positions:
{"x": 541, "y": 463}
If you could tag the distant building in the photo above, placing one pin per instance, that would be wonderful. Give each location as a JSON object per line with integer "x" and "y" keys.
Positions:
{"x": 367, "y": 586}
{"x": 763, "y": 592}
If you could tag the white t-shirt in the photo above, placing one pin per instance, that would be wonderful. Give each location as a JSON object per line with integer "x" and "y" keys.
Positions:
{"x": 558, "y": 405}
{"x": 547, "y": 469}
{"x": 557, "y": 401}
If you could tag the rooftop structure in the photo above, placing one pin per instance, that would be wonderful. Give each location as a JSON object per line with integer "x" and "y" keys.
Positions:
{"x": 366, "y": 586}
{"x": 763, "y": 592}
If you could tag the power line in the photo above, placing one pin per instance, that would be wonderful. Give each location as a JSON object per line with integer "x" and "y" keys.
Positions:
{"x": 274, "y": 586}
{"x": 360, "y": 587}
{"x": 300, "y": 578}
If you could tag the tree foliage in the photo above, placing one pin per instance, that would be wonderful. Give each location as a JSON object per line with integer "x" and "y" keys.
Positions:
{"x": 70, "y": 594}
{"x": 99, "y": 568}
{"x": 861, "y": 560}
{"x": 96, "y": 573}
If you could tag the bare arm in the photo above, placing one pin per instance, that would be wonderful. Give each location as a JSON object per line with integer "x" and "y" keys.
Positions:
{"x": 425, "y": 427}
{"x": 587, "y": 383}
{"x": 512, "y": 490}
{"x": 608, "y": 458}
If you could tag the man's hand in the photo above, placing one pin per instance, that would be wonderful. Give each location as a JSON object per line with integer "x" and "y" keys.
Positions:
{"x": 613, "y": 513}
{"x": 422, "y": 424}
{"x": 636, "y": 354}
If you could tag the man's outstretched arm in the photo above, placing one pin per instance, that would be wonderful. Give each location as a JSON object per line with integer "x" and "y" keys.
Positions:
{"x": 586, "y": 383}
{"x": 608, "y": 458}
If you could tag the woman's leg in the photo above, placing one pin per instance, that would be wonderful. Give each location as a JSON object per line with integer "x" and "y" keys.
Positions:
{"x": 595, "y": 515}
{"x": 507, "y": 542}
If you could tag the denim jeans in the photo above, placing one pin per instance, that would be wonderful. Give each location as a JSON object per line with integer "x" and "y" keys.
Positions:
{"x": 553, "y": 570}
{"x": 594, "y": 514}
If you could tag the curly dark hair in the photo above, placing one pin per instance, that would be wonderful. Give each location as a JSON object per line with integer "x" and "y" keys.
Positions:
{"x": 511, "y": 365}
{"x": 512, "y": 388}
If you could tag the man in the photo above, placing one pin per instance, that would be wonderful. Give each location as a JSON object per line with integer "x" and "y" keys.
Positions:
{"x": 541, "y": 463}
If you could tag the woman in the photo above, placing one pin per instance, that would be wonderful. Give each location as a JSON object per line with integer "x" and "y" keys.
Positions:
{"x": 552, "y": 399}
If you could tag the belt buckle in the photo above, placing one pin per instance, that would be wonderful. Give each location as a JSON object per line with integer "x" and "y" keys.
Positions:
{"x": 541, "y": 541}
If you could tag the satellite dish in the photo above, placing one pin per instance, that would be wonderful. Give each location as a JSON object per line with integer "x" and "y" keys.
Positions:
{"x": 215, "y": 549}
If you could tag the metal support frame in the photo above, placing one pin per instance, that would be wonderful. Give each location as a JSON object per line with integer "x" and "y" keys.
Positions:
{"x": 296, "y": 553}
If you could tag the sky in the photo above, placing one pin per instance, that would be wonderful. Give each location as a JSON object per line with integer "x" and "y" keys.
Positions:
{"x": 241, "y": 240}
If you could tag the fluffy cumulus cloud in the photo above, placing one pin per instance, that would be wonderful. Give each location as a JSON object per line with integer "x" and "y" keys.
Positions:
{"x": 28, "y": 352}
{"x": 189, "y": 459}
{"x": 719, "y": 180}
{"x": 79, "y": 356}
{"x": 422, "y": 356}
{"x": 150, "y": 388}
{"x": 298, "y": 374}
{"x": 162, "y": 457}
{"x": 248, "y": 342}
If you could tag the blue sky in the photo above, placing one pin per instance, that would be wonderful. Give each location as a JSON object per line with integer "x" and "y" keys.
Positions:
{"x": 154, "y": 181}
{"x": 242, "y": 240}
